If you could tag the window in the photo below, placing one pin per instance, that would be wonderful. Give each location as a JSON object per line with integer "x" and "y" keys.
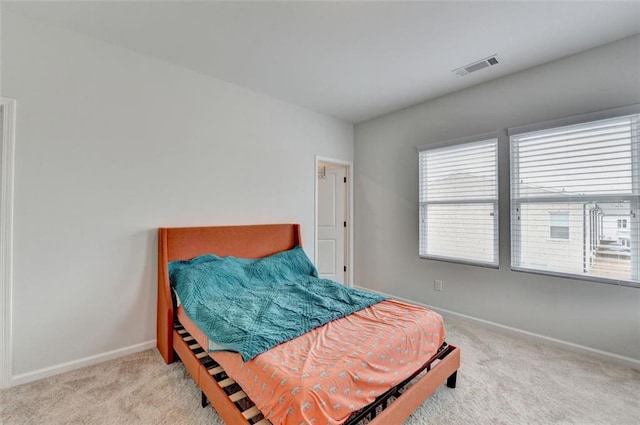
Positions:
{"x": 582, "y": 181}
{"x": 559, "y": 225}
{"x": 459, "y": 202}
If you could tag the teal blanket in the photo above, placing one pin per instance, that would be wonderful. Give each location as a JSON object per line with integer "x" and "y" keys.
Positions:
{"x": 251, "y": 305}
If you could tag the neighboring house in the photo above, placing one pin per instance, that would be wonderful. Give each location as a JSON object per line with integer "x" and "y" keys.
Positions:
{"x": 575, "y": 237}
{"x": 584, "y": 229}
{"x": 569, "y": 237}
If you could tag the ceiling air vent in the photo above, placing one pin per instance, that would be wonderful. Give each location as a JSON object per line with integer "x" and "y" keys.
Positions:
{"x": 477, "y": 65}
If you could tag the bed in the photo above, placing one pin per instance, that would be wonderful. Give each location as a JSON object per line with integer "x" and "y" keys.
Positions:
{"x": 219, "y": 375}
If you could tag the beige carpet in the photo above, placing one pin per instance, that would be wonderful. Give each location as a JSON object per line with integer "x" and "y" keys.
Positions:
{"x": 503, "y": 380}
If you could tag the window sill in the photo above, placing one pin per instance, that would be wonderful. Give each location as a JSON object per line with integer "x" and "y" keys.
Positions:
{"x": 589, "y": 278}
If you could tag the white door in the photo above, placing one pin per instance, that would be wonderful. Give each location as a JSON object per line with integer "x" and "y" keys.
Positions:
{"x": 332, "y": 223}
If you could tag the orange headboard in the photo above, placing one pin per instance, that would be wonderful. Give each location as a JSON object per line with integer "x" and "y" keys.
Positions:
{"x": 184, "y": 243}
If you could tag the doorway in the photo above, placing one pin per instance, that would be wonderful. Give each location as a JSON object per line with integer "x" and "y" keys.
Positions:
{"x": 333, "y": 220}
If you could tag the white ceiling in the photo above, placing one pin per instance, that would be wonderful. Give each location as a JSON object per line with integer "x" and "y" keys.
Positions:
{"x": 351, "y": 60}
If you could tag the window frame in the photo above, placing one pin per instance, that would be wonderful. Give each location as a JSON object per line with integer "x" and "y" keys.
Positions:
{"x": 422, "y": 205}
{"x": 634, "y": 200}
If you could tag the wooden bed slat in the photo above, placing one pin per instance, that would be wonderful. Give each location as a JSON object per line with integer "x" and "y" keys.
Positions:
{"x": 220, "y": 401}
{"x": 226, "y": 382}
{"x": 216, "y": 370}
{"x": 237, "y": 396}
{"x": 186, "y": 355}
{"x": 199, "y": 364}
{"x": 251, "y": 412}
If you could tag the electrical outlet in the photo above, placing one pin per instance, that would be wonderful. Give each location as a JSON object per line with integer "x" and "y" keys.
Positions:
{"x": 437, "y": 285}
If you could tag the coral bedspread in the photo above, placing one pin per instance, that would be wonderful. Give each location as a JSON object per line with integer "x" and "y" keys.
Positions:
{"x": 326, "y": 374}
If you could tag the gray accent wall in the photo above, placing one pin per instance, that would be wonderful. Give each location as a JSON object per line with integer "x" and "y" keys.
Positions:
{"x": 594, "y": 315}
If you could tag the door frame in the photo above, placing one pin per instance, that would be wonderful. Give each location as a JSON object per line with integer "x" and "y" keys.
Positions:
{"x": 348, "y": 165}
{"x": 8, "y": 107}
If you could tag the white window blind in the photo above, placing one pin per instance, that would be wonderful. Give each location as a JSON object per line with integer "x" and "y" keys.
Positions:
{"x": 459, "y": 202}
{"x": 571, "y": 186}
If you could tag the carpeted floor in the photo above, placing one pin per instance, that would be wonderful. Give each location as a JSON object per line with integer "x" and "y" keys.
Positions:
{"x": 503, "y": 380}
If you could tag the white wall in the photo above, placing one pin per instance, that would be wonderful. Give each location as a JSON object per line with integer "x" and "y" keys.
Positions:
{"x": 111, "y": 145}
{"x": 598, "y": 316}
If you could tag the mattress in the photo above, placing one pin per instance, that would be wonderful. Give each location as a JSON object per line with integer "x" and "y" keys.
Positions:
{"x": 326, "y": 374}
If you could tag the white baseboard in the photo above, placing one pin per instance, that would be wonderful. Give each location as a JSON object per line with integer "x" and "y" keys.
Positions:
{"x": 23, "y": 378}
{"x": 593, "y": 352}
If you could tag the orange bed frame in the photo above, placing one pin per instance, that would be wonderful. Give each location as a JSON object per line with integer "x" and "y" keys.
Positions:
{"x": 255, "y": 241}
